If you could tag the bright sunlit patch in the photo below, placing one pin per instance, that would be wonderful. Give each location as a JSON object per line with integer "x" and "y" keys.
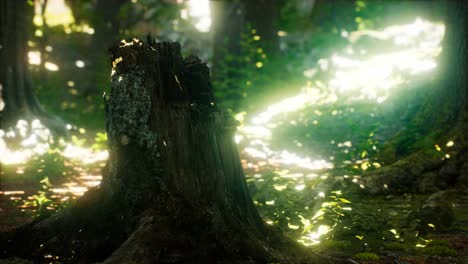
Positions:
{"x": 58, "y": 13}
{"x": 85, "y": 155}
{"x": 11, "y": 192}
{"x": 307, "y": 97}
{"x": 313, "y": 238}
{"x": 295, "y": 227}
{"x": 34, "y": 57}
{"x": 79, "y": 63}
{"x": 34, "y": 140}
{"x": 282, "y": 33}
{"x": 198, "y": 11}
{"x": 300, "y": 187}
{"x": 417, "y": 45}
{"x": 51, "y": 66}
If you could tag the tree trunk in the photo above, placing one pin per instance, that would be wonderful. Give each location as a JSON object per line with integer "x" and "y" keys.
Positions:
{"x": 173, "y": 190}
{"x": 233, "y": 23}
{"x": 227, "y": 27}
{"x": 15, "y": 77}
{"x": 107, "y": 31}
{"x": 266, "y": 24}
{"x": 442, "y": 118}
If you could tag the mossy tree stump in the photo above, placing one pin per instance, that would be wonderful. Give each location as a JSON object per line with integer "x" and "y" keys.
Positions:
{"x": 173, "y": 189}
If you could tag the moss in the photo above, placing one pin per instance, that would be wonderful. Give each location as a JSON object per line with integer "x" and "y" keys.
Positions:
{"x": 442, "y": 251}
{"x": 366, "y": 256}
{"x": 438, "y": 242}
{"x": 335, "y": 244}
{"x": 15, "y": 261}
{"x": 394, "y": 246}
{"x": 128, "y": 111}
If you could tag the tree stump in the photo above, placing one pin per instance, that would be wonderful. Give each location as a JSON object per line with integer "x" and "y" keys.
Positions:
{"x": 173, "y": 189}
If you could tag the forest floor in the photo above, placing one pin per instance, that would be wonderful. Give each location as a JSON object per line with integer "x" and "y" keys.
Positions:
{"x": 26, "y": 196}
{"x": 304, "y": 172}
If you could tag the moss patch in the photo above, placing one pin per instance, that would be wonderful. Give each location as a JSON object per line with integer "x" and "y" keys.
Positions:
{"x": 366, "y": 256}
{"x": 442, "y": 251}
{"x": 394, "y": 246}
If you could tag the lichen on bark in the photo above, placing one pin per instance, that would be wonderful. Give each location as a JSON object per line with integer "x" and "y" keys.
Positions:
{"x": 128, "y": 112}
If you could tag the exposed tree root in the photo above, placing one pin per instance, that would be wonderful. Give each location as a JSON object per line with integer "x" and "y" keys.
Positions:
{"x": 90, "y": 232}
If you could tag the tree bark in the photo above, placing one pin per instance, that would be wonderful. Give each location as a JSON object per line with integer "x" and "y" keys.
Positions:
{"x": 173, "y": 190}
{"x": 15, "y": 77}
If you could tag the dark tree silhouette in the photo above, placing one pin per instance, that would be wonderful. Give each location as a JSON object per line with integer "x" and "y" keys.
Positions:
{"x": 15, "y": 77}
{"x": 233, "y": 22}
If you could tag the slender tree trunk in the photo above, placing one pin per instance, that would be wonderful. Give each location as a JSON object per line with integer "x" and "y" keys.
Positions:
{"x": 265, "y": 25}
{"x": 15, "y": 77}
{"x": 227, "y": 29}
{"x": 234, "y": 22}
{"x": 107, "y": 31}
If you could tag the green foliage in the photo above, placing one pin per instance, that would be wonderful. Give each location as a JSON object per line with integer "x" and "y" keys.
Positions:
{"x": 367, "y": 228}
{"x": 250, "y": 73}
{"x": 41, "y": 204}
{"x": 100, "y": 141}
{"x": 331, "y": 213}
{"x": 366, "y": 256}
{"x": 71, "y": 104}
{"x": 51, "y": 165}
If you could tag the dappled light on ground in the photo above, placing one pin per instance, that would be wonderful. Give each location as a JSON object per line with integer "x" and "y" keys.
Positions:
{"x": 359, "y": 73}
{"x": 31, "y": 139}
{"x": 27, "y": 139}
{"x": 53, "y": 172}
